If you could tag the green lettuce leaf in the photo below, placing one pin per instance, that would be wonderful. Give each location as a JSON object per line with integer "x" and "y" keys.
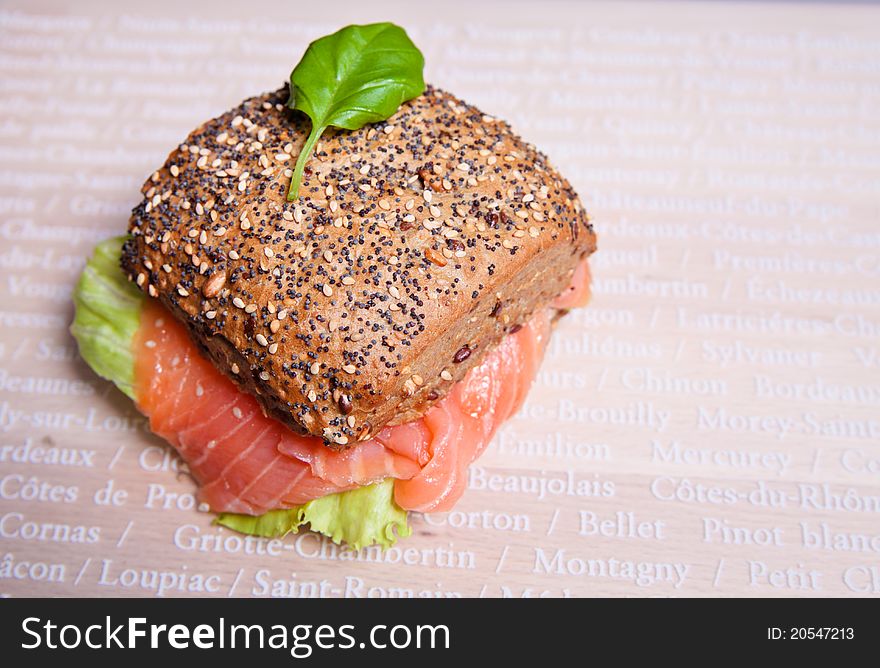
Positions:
{"x": 108, "y": 310}
{"x": 360, "y": 518}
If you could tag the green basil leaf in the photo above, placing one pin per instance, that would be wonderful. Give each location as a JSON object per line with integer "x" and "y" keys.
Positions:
{"x": 357, "y": 75}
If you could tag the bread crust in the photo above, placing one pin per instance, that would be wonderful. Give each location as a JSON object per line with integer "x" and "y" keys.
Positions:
{"x": 415, "y": 246}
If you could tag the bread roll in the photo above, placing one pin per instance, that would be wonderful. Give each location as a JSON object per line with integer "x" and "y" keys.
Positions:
{"x": 415, "y": 246}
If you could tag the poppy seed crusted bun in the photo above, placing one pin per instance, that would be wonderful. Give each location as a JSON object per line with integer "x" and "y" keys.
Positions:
{"x": 415, "y": 245}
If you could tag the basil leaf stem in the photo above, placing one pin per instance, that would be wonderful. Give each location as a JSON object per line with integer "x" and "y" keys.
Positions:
{"x": 308, "y": 147}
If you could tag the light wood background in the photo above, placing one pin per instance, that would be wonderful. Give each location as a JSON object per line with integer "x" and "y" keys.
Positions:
{"x": 708, "y": 427}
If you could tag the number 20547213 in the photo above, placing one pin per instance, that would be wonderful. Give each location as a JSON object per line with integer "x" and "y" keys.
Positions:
{"x": 811, "y": 633}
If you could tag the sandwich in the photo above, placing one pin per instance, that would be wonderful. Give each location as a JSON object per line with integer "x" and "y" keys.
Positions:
{"x": 331, "y": 296}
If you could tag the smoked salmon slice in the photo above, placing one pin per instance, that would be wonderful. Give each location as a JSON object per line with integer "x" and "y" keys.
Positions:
{"x": 230, "y": 447}
{"x": 462, "y": 425}
{"x": 577, "y": 294}
{"x": 246, "y": 462}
